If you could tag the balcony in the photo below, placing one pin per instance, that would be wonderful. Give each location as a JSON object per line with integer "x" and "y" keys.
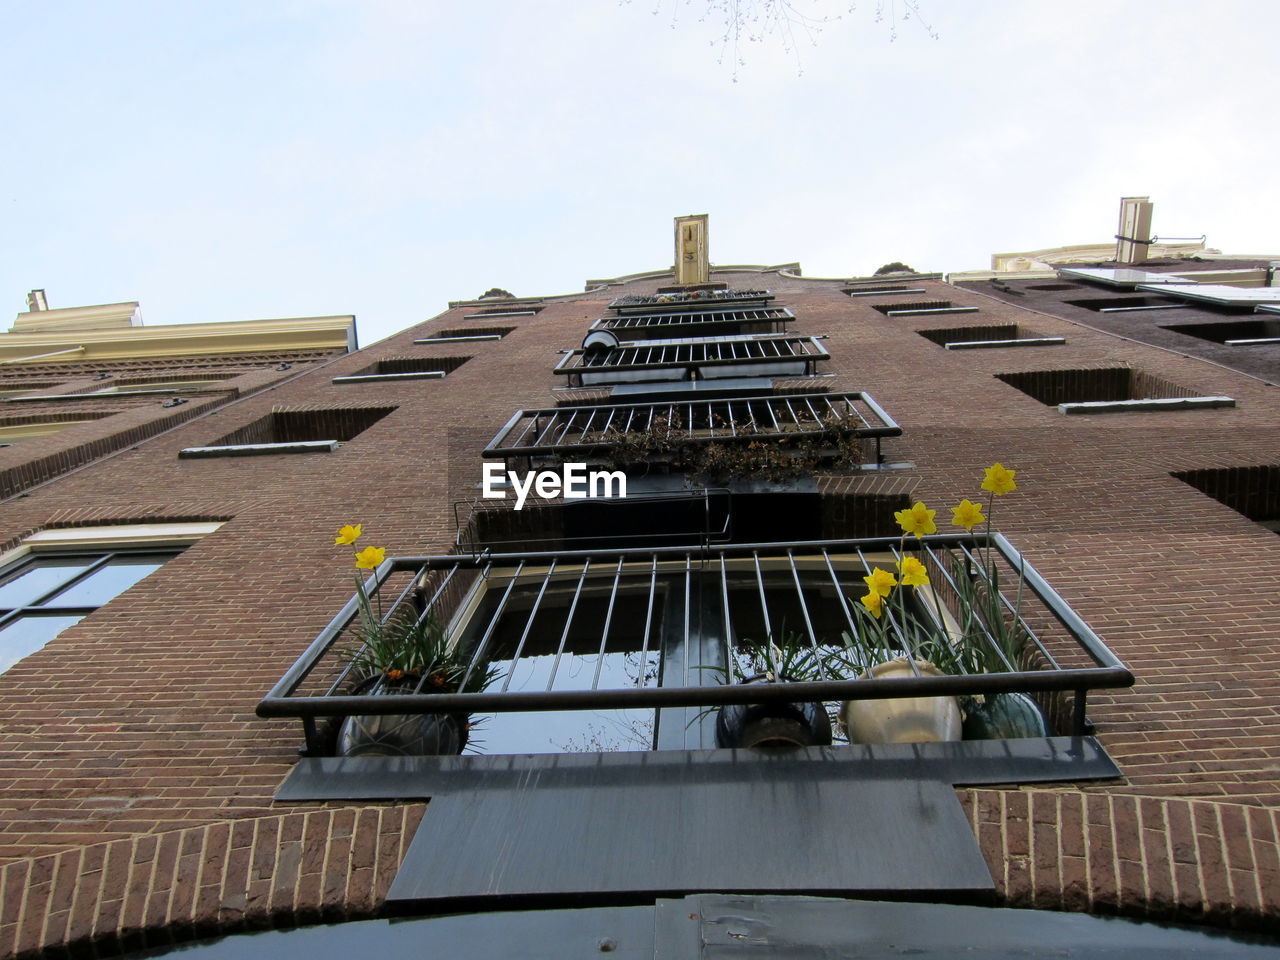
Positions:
{"x": 691, "y": 300}
{"x": 703, "y": 358}
{"x": 661, "y": 322}
{"x": 634, "y": 649}
{"x": 607, "y": 430}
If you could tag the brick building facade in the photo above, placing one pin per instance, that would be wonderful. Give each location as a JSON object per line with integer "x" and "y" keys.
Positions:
{"x": 138, "y": 800}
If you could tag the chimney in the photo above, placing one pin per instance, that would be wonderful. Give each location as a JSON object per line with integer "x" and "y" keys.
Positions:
{"x": 36, "y": 301}
{"x": 692, "y": 264}
{"x": 1133, "y": 239}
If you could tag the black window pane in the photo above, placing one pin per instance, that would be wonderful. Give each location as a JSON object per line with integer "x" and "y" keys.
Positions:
{"x": 108, "y": 581}
{"x": 26, "y": 635}
{"x": 39, "y": 577}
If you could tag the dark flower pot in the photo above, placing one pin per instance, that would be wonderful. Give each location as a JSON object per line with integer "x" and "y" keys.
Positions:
{"x": 399, "y": 735}
{"x": 769, "y": 725}
{"x": 1004, "y": 716}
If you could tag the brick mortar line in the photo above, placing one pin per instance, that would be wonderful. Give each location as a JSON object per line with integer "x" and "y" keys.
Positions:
{"x": 1083, "y": 802}
{"x": 1253, "y": 854}
{"x": 61, "y": 865}
{"x": 1057, "y": 816}
{"x": 1226, "y": 857}
{"x": 1141, "y": 817}
{"x": 1200, "y": 877}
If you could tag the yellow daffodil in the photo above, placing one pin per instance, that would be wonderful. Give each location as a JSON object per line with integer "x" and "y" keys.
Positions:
{"x": 370, "y": 557}
{"x": 999, "y": 480}
{"x": 880, "y": 582}
{"x": 967, "y": 515}
{"x": 873, "y": 602}
{"x": 913, "y": 573}
{"x": 346, "y": 535}
{"x": 918, "y": 520}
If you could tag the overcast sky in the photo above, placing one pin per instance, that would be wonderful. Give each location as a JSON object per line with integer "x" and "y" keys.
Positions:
{"x": 238, "y": 160}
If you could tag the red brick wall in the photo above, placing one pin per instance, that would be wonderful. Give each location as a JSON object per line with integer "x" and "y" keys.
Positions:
{"x": 139, "y": 721}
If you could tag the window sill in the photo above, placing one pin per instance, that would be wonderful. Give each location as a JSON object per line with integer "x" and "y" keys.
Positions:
{"x": 1025, "y": 342}
{"x": 258, "y": 449}
{"x": 371, "y": 377}
{"x": 1131, "y": 406}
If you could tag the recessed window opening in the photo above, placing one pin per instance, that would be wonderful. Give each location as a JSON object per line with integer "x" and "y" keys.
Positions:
{"x": 13, "y": 429}
{"x": 299, "y": 426}
{"x": 871, "y": 291}
{"x": 903, "y": 305}
{"x": 395, "y": 369}
{"x": 521, "y": 311}
{"x": 1253, "y": 491}
{"x": 1000, "y": 331}
{"x": 12, "y": 387}
{"x": 1121, "y": 304}
{"x": 1232, "y": 333}
{"x": 163, "y": 384}
{"x": 466, "y": 333}
{"x": 1053, "y": 387}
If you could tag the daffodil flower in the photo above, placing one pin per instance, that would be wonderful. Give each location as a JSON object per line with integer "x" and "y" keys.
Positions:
{"x": 370, "y": 557}
{"x": 999, "y": 480}
{"x": 880, "y": 582}
{"x": 918, "y": 520}
{"x": 913, "y": 573}
{"x": 347, "y": 535}
{"x": 873, "y": 602}
{"x": 967, "y": 515}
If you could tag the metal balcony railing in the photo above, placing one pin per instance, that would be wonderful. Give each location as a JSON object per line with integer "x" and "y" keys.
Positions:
{"x": 761, "y": 355}
{"x": 660, "y": 322}
{"x": 653, "y": 629}
{"x": 690, "y": 301}
{"x": 561, "y": 431}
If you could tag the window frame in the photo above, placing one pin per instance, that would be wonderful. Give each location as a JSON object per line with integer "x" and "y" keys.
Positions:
{"x": 103, "y": 544}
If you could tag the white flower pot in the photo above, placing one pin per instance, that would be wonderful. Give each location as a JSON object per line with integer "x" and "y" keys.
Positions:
{"x": 905, "y": 719}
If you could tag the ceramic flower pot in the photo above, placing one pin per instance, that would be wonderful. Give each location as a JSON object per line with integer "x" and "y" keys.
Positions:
{"x": 901, "y": 720}
{"x": 399, "y": 735}
{"x": 769, "y": 725}
{"x": 1004, "y": 716}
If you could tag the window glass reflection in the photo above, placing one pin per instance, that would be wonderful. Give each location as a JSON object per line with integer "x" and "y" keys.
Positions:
{"x": 25, "y": 635}
{"x": 37, "y": 580}
{"x": 108, "y": 581}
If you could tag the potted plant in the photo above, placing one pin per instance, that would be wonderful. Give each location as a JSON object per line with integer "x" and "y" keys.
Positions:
{"x": 888, "y": 647}
{"x": 405, "y": 652}
{"x": 982, "y": 636}
{"x": 789, "y": 659}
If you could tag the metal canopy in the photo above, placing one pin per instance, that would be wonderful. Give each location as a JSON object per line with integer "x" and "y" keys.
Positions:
{"x": 1215, "y": 293}
{"x": 1123, "y": 278}
{"x": 677, "y": 830}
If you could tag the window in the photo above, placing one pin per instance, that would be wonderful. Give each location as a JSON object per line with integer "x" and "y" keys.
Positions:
{"x": 15, "y": 429}
{"x": 1107, "y": 390}
{"x": 301, "y": 430}
{"x": 990, "y": 335}
{"x": 920, "y": 308}
{"x": 56, "y": 578}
